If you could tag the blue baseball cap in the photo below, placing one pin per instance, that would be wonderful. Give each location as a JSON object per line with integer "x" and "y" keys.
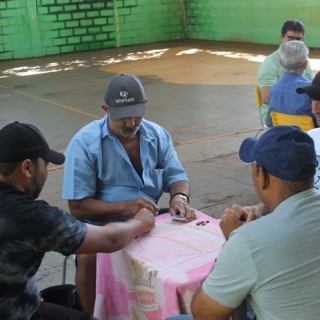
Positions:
{"x": 286, "y": 152}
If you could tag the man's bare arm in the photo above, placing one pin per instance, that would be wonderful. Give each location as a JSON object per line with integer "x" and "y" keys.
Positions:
{"x": 94, "y": 209}
{"x": 205, "y": 308}
{"x": 115, "y": 236}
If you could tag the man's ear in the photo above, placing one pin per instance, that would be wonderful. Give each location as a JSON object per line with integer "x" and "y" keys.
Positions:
{"x": 264, "y": 178}
{"x": 26, "y": 168}
{"x": 105, "y": 108}
{"x": 304, "y": 66}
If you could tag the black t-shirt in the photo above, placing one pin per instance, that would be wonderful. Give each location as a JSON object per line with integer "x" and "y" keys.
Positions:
{"x": 28, "y": 229}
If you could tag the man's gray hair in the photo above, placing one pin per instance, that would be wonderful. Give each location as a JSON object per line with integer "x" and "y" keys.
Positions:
{"x": 293, "y": 54}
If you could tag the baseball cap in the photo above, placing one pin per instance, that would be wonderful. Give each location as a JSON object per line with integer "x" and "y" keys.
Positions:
{"x": 125, "y": 96}
{"x": 313, "y": 91}
{"x": 19, "y": 141}
{"x": 286, "y": 152}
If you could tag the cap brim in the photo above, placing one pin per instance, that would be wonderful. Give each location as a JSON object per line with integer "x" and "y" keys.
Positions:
{"x": 312, "y": 91}
{"x": 315, "y": 135}
{"x": 54, "y": 157}
{"x": 133, "y": 111}
{"x": 247, "y": 150}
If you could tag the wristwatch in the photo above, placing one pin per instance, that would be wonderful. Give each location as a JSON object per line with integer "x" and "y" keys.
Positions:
{"x": 180, "y": 195}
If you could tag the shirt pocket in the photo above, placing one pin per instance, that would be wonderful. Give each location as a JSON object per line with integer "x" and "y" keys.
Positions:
{"x": 153, "y": 182}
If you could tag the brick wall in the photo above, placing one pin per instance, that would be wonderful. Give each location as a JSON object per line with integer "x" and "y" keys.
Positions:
{"x": 31, "y": 28}
{"x": 45, "y": 27}
{"x": 253, "y": 21}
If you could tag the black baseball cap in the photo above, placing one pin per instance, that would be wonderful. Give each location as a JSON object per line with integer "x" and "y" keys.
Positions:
{"x": 20, "y": 141}
{"x": 313, "y": 91}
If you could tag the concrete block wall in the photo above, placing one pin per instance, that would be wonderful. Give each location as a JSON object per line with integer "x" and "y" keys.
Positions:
{"x": 31, "y": 28}
{"x": 253, "y": 21}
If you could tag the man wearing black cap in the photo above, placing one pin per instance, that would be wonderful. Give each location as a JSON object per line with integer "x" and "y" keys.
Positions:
{"x": 313, "y": 91}
{"x": 29, "y": 228}
{"x": 274, "y": 262}
{"x": 118, "y": 165}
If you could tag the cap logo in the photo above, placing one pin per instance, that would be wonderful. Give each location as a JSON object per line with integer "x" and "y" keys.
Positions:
{"x": 124, "y": 94}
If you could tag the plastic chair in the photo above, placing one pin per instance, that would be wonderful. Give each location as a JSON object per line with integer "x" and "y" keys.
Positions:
{"x": 259, "y": 105}
{"x": 303, "y": 121}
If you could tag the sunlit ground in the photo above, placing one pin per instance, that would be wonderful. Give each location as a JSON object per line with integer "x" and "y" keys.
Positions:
{"x": 194, "y": 65}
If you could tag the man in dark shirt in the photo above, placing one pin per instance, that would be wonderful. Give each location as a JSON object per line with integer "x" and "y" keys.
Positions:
{"x": 29, "y": 228}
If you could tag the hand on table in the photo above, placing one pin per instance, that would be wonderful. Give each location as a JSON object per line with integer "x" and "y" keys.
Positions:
{"x": 147, "y": 218}
{"x": 180, "y": 206}
{"x": 143, "y": 203}
{"x": 235, "y": 217}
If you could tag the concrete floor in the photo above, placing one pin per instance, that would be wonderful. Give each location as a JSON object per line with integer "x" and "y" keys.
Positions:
{"x": 202, "y": 92}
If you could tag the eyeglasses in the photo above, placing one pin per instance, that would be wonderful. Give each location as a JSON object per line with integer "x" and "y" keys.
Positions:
{"x": 291, "y": 38}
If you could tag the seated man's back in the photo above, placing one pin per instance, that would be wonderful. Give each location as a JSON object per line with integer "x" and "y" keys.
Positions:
{"x": 283, "y": 261}
{"x": 270, "y": 70}
{"x": 283, "y": 95}
{"x": 273, "y": 261}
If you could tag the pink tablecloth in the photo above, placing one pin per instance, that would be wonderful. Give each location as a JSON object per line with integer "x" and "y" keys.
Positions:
{"x": 156, "y": 275}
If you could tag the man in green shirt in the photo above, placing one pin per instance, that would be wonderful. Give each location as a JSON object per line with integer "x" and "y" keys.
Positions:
{"x": 270, "y": 70}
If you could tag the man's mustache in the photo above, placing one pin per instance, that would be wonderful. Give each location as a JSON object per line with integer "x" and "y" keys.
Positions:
{"x": 130, "y": 130}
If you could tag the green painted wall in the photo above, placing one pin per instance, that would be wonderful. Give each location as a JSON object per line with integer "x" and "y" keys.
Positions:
{"x": 31, "y": 28}
{"x": 254, "y": 21}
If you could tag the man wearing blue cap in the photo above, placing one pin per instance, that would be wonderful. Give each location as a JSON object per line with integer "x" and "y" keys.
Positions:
{"x": 256, "y": 211}
{"x": 274, "y": 261}
{"x": 118, "y": 165}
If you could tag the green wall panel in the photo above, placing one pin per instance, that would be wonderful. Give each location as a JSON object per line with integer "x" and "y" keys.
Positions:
{"x": 253, "y": 21}
{"x": 30, "y": 28}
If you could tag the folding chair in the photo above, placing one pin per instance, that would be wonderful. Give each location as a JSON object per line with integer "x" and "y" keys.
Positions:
{"x": 259, "y": 105}
{"x": 303, "y": 121}
{"x": 64, "y": 267}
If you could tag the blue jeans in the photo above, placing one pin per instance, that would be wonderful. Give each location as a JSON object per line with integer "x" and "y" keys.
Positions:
{"x": 181, "y": 317}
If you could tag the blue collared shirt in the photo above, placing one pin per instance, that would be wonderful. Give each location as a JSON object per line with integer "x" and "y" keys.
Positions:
{"x": 97, "y": 165}
{"x": 283, "y": 97}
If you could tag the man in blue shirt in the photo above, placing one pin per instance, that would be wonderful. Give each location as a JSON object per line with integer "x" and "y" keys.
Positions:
{"x": 118, "y": 165}
{"x": 270, "y": 70}
{"x": 283, "y": 95}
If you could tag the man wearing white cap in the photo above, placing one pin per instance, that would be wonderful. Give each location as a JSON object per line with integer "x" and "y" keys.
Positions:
{"x": 118, "y": 165}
